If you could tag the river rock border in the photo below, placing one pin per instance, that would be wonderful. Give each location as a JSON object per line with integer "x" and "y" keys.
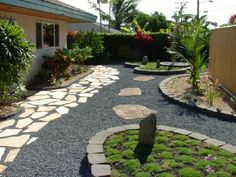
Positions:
{"x": 211, "y": 111}
{"x": 98, "y": 166}
{"x": 139, "y": 70}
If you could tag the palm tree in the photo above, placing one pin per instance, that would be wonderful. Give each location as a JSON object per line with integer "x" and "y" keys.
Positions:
{"x": 192, "y": 50}
{"x": 124, "y": 11}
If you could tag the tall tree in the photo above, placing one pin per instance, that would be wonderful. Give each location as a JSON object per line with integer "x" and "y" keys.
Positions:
{"x": 124, "y": 11}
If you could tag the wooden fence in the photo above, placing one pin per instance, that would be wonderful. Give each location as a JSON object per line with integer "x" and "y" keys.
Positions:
{"x": 222, "y": 62}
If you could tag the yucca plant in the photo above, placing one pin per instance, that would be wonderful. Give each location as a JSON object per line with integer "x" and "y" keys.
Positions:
{"x": 192, "y": 49}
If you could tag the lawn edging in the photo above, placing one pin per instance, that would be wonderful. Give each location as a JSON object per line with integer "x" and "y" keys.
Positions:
{"x": 139, "y": 70}
{"x": 97, "y": 163}
{"x": 210, "y": 111}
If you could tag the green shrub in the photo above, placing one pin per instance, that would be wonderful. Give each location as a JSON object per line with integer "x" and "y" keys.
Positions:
{"x": 128, "y": 154}
{"x": 15, "y": 59}
{"x": 166, "y": 155}
{"x": 130, "y": 145}
{"x": 178, "y": 143}
{"x": 80, "y": 55}
{"x": 166, "y": 175}
{"x": 185, "y": 159}
{"x": 183, "y": 150}
{"x": 132, "y": 165}
{"x": 142, "y": 174}
{"x": 110, "y": 151}
{"x": 152, "y": 167}
{"x": 162, "y": 139}
{"x": 189, "y": 172}
{"x": 114, "y": 158}
{"x": 159, "y": 148}
{"x": 91, "y": 40}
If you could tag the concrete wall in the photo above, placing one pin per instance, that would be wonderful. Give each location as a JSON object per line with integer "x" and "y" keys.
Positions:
{"x": 222, "y": 64}
{"x": 28, "y": 24}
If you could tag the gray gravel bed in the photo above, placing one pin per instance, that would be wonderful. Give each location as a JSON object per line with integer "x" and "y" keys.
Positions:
{"x": 60, "y": 148}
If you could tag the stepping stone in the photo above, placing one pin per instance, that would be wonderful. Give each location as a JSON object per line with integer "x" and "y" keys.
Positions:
{"x": 43, "y": 93}
{"x": 86, "y": 94}
{"x": 114, "y": 77}
{"x": 41, "y": 102}
{"x": 38, "y": 97}
{"x": 72, "y": 105}
{"x": 82, "y": 100}
{"x": 22, "y": 123}
{"x": 35, "y": 127}
{"x": 60, "y": 90}
{"x": 12, "y": 155}
{"x": 51, "y": 117}
{"x": 62, "y": 110}
{"x": 58, "y": 95}
{"x": 16, "y": 141}
{"x": 26, "y": 113}
{"x": 71, "y": 98}
{"x": 130, "y": 92}
{"x": 87, "y": 90}
{"x": 75, "y": 85}
{"x": 9, "y": 132}
{"x": 26, "y": 105}
{"x": 37, "y": 115}
{"x": 33, "y": 139}
{"x": 46, "y": 108}
{"x": 2, "y": 150}
{"x": 144, "y": 78}
{"x": 76, "y": 90}
{"x": 94, "y": 91}
{"x": 2, "y": 168}
{"x": 60, "y": 103}
{"x": 7, "y": 123}
{"x": 132, "y": 111}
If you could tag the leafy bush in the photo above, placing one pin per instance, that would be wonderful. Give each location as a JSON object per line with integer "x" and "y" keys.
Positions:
{"x": 15, "y": 60}
{"x": 80, "y": 55}
{"x": 189, "y": 172}
{"x": 56, "y": 67}
{"x": 89, "y": 39}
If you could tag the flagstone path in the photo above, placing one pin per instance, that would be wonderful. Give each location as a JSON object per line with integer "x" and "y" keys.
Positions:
{"x": 46, "y": 106}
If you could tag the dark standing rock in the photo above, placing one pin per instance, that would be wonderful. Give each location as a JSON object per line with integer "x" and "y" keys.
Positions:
{"x": 147, "y": 130}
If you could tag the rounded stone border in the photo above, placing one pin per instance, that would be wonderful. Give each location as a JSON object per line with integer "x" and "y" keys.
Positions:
{"x": 139, "y": 70}
{"x": 131, "y": 65}
{"x": 97, "y": 163}
{"x": 211, "y": 111}
{"x": 18, "y": 111}
{"x": 66, "y": 84}
{"x": 178, "y": 64}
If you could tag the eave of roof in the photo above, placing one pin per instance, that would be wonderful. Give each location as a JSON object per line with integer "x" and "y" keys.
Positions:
{"x": 53, "y": 7}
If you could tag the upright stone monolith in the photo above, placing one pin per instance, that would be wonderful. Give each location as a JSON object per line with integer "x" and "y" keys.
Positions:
{"x": 147, "y": 130}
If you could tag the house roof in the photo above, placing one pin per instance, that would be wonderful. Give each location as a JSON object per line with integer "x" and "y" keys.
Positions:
{"x": 84, "y": 27}
{"x": 43, "y": 7}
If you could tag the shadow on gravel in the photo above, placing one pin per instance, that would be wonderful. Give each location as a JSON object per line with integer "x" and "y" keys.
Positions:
{"x": 83, "y": 171}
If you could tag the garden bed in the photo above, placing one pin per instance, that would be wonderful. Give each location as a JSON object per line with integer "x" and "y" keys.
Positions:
{"x": 65, "y": 83}
{"x": 177, "y": 88}
{"x": 150, "y": 68}
{"x": 8, "y": 111}
{"x": 176, "y": 153}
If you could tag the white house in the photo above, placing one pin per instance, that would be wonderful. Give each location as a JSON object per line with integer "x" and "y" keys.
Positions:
{"x": 45, "y": 24}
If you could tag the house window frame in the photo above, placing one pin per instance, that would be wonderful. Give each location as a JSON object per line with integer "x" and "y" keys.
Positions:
{"x": 54, "y": 34}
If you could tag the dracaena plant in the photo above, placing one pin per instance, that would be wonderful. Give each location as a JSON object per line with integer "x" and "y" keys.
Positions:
{"x": 192, "y": 49}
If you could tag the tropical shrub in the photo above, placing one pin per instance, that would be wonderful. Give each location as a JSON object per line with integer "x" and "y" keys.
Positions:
{"x": 192, "y": 49}
{"x": 232, "y": 19}
{"x": 15, "y": 59}
{"x": 80, "y": 55}
{"x": 89, "y": 39}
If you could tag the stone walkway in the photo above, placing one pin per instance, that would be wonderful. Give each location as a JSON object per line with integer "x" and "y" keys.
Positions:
{"x": 46, "y": 106}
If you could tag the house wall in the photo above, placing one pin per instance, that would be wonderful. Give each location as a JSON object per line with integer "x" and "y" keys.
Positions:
{"x": 222, "y": 63}
{"x": 29, "y": 27}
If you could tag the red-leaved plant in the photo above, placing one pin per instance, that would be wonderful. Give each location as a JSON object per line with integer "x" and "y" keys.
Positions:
{"x": 144, "y": 38}
{"x": 232, "y": 19}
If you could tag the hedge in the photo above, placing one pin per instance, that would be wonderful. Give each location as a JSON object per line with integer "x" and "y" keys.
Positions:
{"x": 124, "y": 46}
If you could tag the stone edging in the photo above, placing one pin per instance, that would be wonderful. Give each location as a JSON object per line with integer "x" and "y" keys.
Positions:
{"x": 139, "y": 70}
{"x": 18, "y": 111}
{"x": 66, "y": 84}
{"x": 212, "y": 111}
{"x": 97, "y": 163}
{"x": 131, "y": 65}
{"x": 177, "y": 64}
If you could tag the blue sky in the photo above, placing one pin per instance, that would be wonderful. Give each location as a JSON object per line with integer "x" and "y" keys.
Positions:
{"x": 217, "y": 11}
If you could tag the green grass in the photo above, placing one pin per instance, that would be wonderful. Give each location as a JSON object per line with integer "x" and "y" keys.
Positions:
{"x": 151, "y": 66}
{"x": 172, "y": 155}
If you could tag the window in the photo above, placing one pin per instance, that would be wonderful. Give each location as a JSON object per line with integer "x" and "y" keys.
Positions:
{"x": 47, "y": 35}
